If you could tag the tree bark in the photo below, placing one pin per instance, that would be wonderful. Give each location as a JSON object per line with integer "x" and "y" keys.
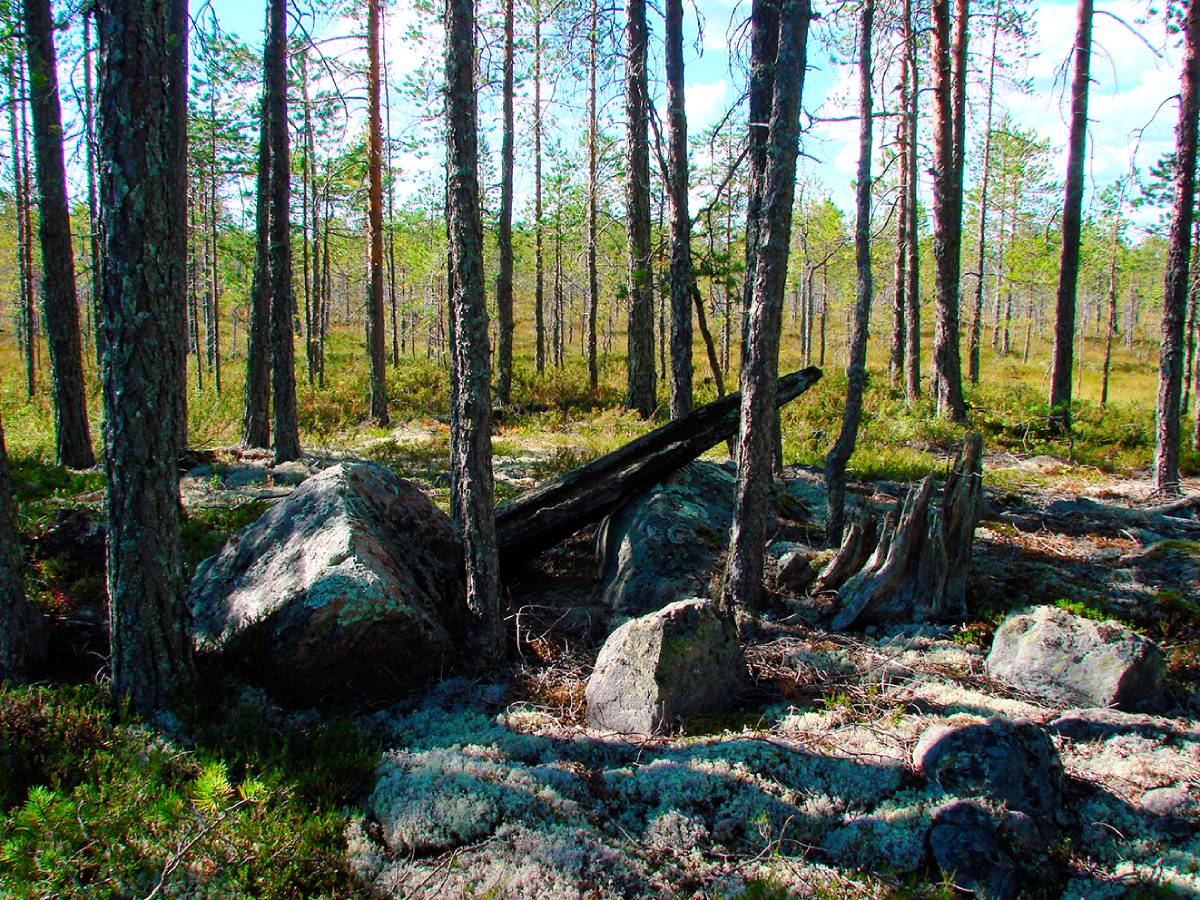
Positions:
{"x": 256, "y": 421}
{"x": 641, "y": 391}
{"x": 682, "y": 277}
{"x": 947, "y": 211}
{"x": 72, "y": 440}
{"x": 504, "y": 276}
{"x": 593, "y": 301}
{"x": 89, "y": 126}
{"x": 142, "y": 140}
{"x": 1170, "y": 358}
{"x": 856, "y": 367}
{"x": 376, "y": 349}
{"x": 283, "y": 352}
{"x": 912, "y": 287}
{"x": 539, "y": 265}
{"x": 755, "y": 450}
{"x": 896, "y": 349}
{"x": 1112, "y": 303}
{"x": 471, "y": 412}
{"x": 1059, "y": 418}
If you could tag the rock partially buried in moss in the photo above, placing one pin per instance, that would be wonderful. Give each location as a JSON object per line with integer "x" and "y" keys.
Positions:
{"x": 1071, "y": 661}
{"x": 652, "y": 672}
{"x": 351, "y": 584}
{"x": 667, "y": 544}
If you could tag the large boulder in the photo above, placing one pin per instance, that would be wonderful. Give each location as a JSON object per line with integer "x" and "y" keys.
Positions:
{"x": 1072, "y": 661}
{"x": 351, "y": 583}
{"x": 684, "y": 660}
{"x": 667, "y": 544}
{"x": 970, "y": 853}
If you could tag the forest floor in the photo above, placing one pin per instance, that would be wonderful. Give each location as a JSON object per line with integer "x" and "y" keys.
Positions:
{"x": 805, "y": 788}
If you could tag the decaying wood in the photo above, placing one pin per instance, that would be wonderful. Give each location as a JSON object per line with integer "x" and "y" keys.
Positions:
{"x": 856, "y": 548}
{"x": 919, "y": 567}
{"x": 1171, "y": 519}
{"x": 545, "y": 516}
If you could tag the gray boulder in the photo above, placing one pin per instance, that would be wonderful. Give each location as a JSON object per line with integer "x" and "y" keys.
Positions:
{"x": 1072, "y": 661}
{"x": 667, "y": 544}
{"x": 351, "y": 583}
{"x": 684, "y": 660}
{"x": 1011, "y": 762}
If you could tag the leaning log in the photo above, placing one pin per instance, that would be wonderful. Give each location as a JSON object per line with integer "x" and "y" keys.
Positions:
{"x": 918, "y": 571}
{"x": 543, "y": 517}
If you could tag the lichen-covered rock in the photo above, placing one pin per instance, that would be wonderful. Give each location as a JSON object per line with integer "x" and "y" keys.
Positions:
{"x": 1013, "y": 762}
{"x": 352, "y": 582}
{"x": 684, "y": 660}
{"x": 667, "y": 544}
{"x": 1069, "y": 660}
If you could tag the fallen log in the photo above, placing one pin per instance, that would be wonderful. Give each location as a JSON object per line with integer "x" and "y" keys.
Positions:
{"x": 918, "y": 571}
{"x": 543, "y": 517}
{"x": 1168, "y": 520}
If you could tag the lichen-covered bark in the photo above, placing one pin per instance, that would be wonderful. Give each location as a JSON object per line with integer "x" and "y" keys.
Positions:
{"x": 142, "y": 67}
{"x": 72, "y": 441}
{"x": 283, "y": 304}
{"x": 504, "y": 275}
{"x": 682, "y": 277}
{"x": 1170, "y": 358}
{"x": 471, "y": 412}
{"x": 856, "y": 369}
{"x": 376, "y": 351}
{"x": 947, "y": 216}
{"x": 22, "y": 637}
{"x": 641, "y": 393}
{"x": 755, "y": 450}
{"x": 1072, "y": 223}
{"x": 256, "y": 422}
{"x": 912, "y": 287}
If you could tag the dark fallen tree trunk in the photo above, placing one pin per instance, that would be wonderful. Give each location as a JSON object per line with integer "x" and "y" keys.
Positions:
{"x": 545, "y": 516}
{"x": 918, "y": 571}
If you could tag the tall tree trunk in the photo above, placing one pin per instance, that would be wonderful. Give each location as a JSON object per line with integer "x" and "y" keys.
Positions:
{"x": 755, "y": 449}
{"x": 72, "y": 441}
{"x": 1170, "y": 358}
{"x": 1193, "y": 305}
{"x": 25, "y": 325}
{"x": 89, "y": 125}
{"x": 307, "y": 200}
{"x": 981, "y": 243}
{"x": 912, "y": 287}
{"x": 593, "y": 301}
{"x": 896, "y": 349}
{"x": 391, "y": 195}
{"x": 504, "y": 276}
{"x": 683, "y": 281}
{"x": 947, "y": 209}
{"x": 539, "y": 288}
{"x": 471, "y": 454}
{"x": 214, "y": 276}
{"x": 1072, "y": 223}
{"x": 376, "y": 350}
{"x": 856, "y": 367}
{"x": 142, "y": 91}
{"x": 641, "y": 392}
{"x": 22, "y": 630}
{"x": 283, "y": 305}
{"x": 256, "y": 420}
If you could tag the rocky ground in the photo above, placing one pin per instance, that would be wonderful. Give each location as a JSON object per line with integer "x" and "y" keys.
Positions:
{"x": 864, "y": 763}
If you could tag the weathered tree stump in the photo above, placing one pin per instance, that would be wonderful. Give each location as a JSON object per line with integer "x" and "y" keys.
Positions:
{"x": 918, "y": 569}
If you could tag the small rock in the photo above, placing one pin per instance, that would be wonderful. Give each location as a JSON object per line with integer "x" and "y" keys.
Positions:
{"x": 796, "y": 572}
{"x": 78, "y": 533}
{"x": 1013, "y": 762}
{"x": 1067, "y": 659}
{"x": 964, "y": 844}
{"x": 684, "y": 660}
{"x": 351, "y": 583}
